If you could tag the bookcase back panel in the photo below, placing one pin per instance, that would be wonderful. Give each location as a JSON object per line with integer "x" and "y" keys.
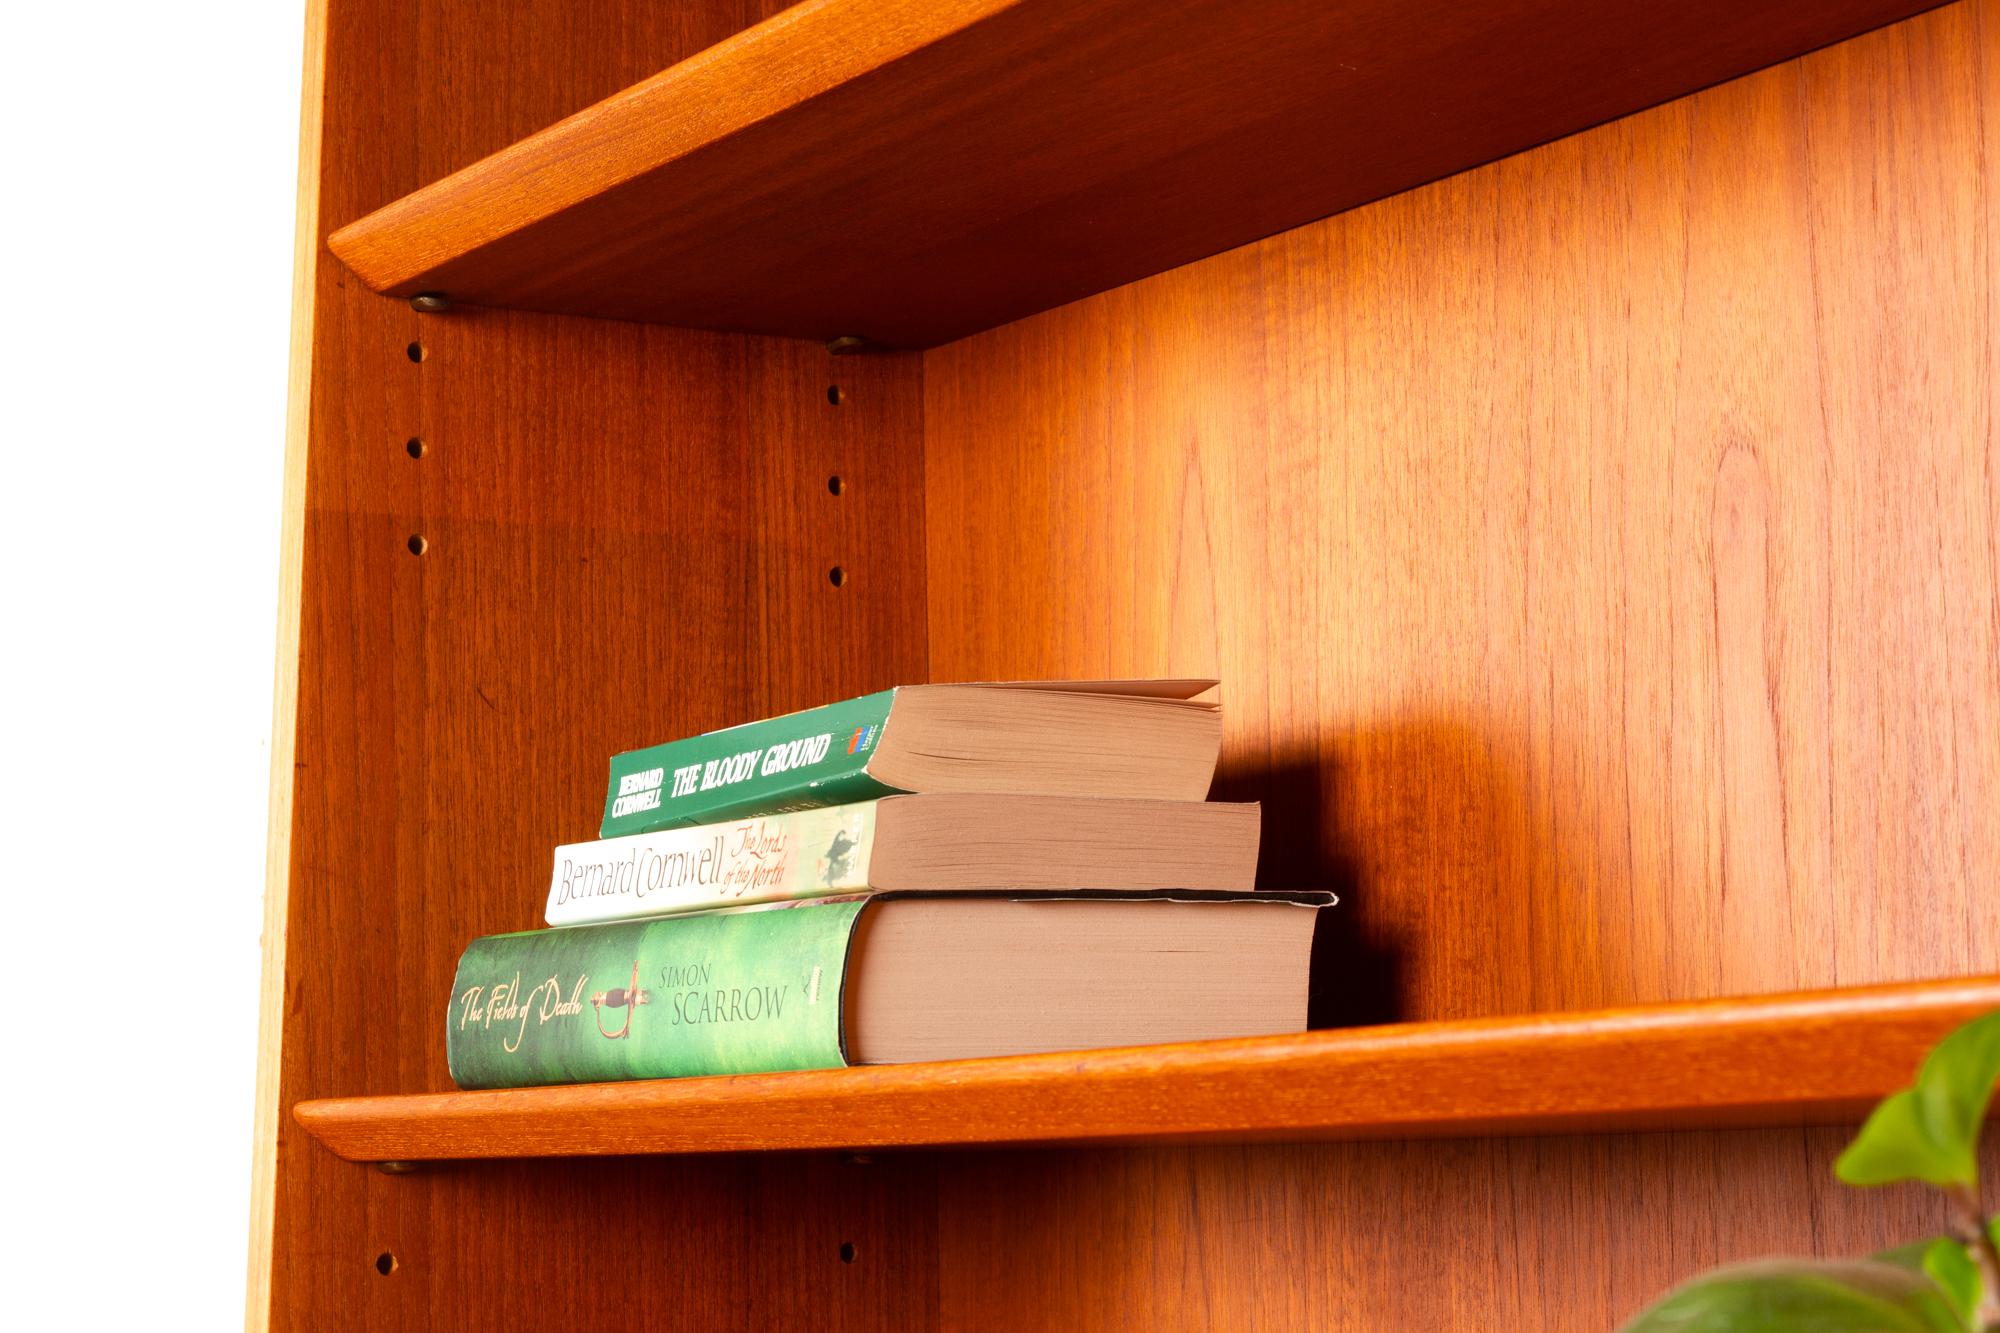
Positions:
{"x": 1554, "y": 1235}
{"x": 1599, "y": 553}
{"x": 530, "y": 542}
{"x": 1598, "y": 548}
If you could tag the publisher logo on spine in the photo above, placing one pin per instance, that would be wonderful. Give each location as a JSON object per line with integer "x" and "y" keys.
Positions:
{"x": 863, "y": 738}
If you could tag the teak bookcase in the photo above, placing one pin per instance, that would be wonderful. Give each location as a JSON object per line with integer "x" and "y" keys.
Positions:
{"x": 1599, "y": 541}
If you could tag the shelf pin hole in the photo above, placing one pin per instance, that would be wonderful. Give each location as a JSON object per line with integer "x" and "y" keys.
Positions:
{"x": 416, "y": 351}
{"x": 834, "y": 485}
{"x": 415, "y": 447}
{"x": 846, "y": 1252}
{"x": 385, "y": 1263}
{"x": 836, "y": 576}
{"x": 417, "y": 545}
{"x": 834, "y": 395}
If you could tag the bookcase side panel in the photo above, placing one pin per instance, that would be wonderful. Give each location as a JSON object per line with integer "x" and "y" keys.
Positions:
{"x": 528, "y": 542}
{"x": 1598, "y": 552}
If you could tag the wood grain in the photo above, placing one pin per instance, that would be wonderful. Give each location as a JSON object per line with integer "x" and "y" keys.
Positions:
{"x": 1557, "y": 1235}
{"x": 1599, "y": 548}
{"x": 911, "y": 171}
{"x": 627, "y": 531}
{"x": 1805, "y": 1059}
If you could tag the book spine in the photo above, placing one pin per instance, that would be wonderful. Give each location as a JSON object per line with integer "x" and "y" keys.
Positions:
{"x": 730, "y": 992}
{"x": 797, "y": 762}
{"x": 770, "y": 858}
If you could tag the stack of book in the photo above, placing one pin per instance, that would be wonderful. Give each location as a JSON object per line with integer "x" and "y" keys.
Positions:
{"x": 929, "y": 873}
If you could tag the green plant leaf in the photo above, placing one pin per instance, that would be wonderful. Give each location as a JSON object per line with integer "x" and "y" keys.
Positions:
{"x": 1796, "y": 1295}
{"x": 1947, "y": 1263}
{"x": 1930, "y": 1130}
{"x": 1909, "y": 1256}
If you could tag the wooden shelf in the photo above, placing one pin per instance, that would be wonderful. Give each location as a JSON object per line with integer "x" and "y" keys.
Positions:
{"x": 1797, "y": 1059}
{"x": 910, "y": 171}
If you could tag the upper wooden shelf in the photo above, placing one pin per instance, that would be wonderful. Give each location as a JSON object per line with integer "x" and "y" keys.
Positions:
{"x": 910, "y": 171}
{"x": 1798, "y": 1059}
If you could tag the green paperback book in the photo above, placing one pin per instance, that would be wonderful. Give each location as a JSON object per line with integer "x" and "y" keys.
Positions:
{"x": 797, "y": 762}
{"x": 883, "y": 979}
{"x": 1140, "y": 739}
{"x": 717, "y": 992}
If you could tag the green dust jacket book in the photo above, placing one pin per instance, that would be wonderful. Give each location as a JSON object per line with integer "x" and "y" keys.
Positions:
{"x": 800, "y": 761}
{"x": 734, "y": 991}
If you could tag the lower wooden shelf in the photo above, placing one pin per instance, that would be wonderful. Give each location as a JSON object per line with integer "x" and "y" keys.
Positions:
{"x": 1810, "y": 1058}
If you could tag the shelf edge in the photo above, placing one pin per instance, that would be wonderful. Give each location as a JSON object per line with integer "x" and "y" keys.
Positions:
{"x": 759, "y": 74}
{"x": 1704, "y": 1064}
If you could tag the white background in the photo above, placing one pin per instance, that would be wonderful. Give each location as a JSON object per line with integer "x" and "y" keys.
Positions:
{"x": 146, "y": 213}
